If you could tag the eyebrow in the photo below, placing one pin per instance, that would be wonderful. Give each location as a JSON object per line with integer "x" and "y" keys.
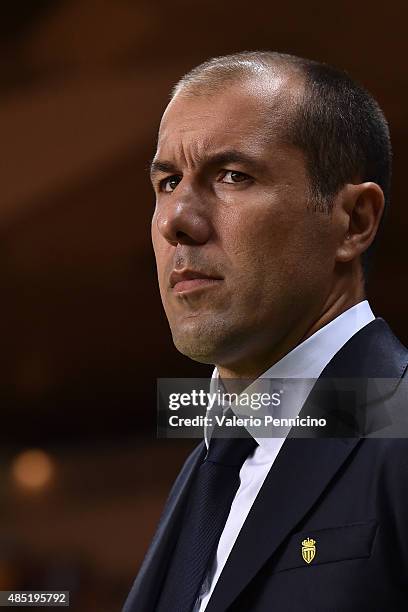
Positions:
{"x": 217, "y": 159}
{"x": 157, "y": 166}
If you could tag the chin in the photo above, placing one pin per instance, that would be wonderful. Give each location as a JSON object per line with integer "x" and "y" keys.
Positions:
{"x": 202, "y": 343}
{"x": 196, "y": 350}
{"x": 208, "y": 340}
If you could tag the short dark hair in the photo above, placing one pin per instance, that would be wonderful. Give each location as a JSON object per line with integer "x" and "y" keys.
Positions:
{"x": 338, "y": 124}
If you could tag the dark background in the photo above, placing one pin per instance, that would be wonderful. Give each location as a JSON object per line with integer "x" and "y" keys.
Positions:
{"x": 83, "y": 84}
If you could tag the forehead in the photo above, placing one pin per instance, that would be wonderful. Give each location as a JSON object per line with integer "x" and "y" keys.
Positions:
{"x": 242, "y": 116}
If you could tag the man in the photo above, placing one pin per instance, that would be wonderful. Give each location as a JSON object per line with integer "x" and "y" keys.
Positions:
{"x": 271, "y": 176}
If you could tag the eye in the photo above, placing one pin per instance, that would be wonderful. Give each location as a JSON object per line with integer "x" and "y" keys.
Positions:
{"x": 233, "y": 176}
{"x": 170, "y": 183}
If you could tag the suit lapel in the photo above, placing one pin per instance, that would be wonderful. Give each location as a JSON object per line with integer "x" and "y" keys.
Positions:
{"x": 146, "y": 587}
{"x": 304, "y": 467}
{"x": 301, "y": 472}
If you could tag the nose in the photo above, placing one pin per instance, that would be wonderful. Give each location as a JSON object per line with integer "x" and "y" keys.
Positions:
{"x": 184, "y": 218}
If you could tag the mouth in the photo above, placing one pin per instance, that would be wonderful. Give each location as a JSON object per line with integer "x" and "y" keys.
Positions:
{"x": 185, "y": 281}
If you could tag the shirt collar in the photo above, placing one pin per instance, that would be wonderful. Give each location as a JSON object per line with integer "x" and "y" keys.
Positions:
{"x": 309, "y": 358}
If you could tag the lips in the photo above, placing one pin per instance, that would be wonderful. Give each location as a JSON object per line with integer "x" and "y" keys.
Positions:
{"x": 188, "y": 280}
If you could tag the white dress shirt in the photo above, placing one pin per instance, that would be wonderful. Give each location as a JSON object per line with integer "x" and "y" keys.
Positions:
{"x": 306, "y": 361}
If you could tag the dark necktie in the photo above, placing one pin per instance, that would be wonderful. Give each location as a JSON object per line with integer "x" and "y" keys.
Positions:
{"x": 207, "y": 509}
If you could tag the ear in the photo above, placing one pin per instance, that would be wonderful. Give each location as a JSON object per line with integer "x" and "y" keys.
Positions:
{"x": 358, "y": 210}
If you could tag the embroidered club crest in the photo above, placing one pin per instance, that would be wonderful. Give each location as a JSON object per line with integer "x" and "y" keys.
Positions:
{"x": 308, "y": 550}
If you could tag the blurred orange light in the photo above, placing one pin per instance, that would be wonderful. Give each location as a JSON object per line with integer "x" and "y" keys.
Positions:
{"x": 33, "y": 469}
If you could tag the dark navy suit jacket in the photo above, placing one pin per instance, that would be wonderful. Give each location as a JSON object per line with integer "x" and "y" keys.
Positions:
{"x": 348, "y": 494}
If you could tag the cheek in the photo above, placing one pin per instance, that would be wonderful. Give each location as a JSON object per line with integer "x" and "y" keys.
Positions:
{"x": 160, "y": 253}
{"x": 154, "y": 227}
{"x": 277, "y": 253}
{"x": 255, "y": 238}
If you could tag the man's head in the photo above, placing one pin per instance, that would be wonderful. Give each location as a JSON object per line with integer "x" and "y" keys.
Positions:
{"x": 269, "y": 176}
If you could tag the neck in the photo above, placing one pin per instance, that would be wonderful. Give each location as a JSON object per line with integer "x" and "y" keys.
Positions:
{"x": 253, "y": 366}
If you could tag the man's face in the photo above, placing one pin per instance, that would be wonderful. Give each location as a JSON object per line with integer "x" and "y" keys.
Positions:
{"x": 242, "y": 257}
